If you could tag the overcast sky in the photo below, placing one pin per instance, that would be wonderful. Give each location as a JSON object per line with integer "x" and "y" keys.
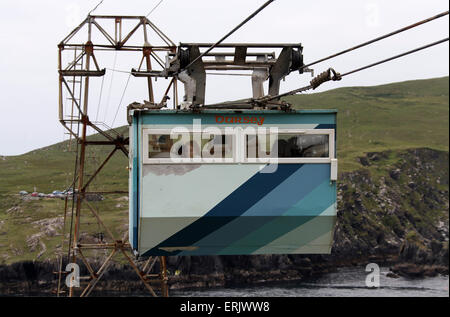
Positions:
{"x": 30, "y": 31}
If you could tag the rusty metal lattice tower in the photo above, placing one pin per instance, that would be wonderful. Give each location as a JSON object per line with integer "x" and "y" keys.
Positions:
{"x": 187, "y": 63}
{"x": 75, "y": 74}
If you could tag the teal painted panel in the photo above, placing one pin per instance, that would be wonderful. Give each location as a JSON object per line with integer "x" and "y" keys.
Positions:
{"x": 313, "y": 234}
{"x": 264, "y": 118}
{"x": 322, "y": 198}
{"x": 241, "y": 210}
{"x": 190, "y": 190}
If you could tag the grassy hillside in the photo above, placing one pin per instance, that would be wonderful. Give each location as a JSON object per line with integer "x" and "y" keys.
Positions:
{"x": 30, "y": 229}
{"x": 51, "y": 168}
{"x": 398, "y": 116}
{"x": 411, "y": 114}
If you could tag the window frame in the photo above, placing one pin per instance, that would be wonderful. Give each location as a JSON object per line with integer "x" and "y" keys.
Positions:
{"x": 240, "y": 147}
{"x": 166, "y": 161}
{"x": 291, "y": 160}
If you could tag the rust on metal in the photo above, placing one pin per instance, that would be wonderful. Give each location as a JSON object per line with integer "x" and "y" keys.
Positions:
{"x": 78, "y": 73}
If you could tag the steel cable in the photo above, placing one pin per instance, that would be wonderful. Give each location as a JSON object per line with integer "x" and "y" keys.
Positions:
{"x": 110, "y": 87}
{"x": 328, "y": 75}
{"x": 440, "y": 15}
{"x": 395, "y": 57}
{"x": 95, "y": 7}
{"x": 230, "y": 33}
{"x": 100, "y": 98}
{"x": 121, "y": 99}
{"x": 332, "y": 75}
{"x": 154, "y": 8}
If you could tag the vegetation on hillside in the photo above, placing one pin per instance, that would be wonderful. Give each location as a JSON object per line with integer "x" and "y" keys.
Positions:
{"x": 399, "y": 116}
{"x": 391, "y": 118}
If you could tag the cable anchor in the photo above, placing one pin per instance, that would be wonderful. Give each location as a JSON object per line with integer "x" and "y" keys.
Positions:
{"x": 327, "y": 75}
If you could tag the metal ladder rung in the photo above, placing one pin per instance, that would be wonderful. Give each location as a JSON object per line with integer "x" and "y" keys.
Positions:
{"x": 75, "y": 65}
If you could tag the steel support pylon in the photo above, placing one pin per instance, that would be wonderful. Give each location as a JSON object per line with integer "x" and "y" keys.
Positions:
{"x": 81, "y": 67}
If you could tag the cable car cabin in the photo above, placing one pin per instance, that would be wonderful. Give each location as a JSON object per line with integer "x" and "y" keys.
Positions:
{"x": 226, "y": 182}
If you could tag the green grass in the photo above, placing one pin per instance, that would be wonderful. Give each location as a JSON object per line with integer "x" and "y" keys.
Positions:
{"x": 394, "y": 117}
{"x": 51, "y": 168}
{"x": 398, "y": 116}
{"x": 47, "y": 169}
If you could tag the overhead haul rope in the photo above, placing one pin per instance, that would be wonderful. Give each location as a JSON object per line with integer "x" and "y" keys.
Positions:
{"x": 110, "y": 87}
{"x": 229, "y": 33}
{"x": 95, "y": 7}
{"x": 397, "y": 56}
{"x": 328, "y": 75}
{"x": 331, "y": 74}
{"x": 440, "y": 15}
{"x": 154, "y": 8}
{"x": 121, "y": 99}
{"x": 119, "y": 71}
{"x": 100, "y": 98}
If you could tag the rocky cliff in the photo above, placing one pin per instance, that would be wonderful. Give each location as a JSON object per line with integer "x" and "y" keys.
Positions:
{"x": 393, "y": 210}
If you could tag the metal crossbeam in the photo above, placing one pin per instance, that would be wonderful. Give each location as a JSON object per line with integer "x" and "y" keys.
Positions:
{"x": 74, "y": 82}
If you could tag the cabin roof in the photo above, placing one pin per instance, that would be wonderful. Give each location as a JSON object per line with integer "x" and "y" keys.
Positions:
{"x": 228, "y": 111}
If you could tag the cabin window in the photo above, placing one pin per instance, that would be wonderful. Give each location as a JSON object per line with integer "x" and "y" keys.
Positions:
{"x": 204, "y": 146}
{"x": 303, "y": 145}
{"x": 188, "y": 147}
{"x": 218, "y": 146}
{"x": 260, "y": 146}
{"x": 159, "y": 145}
{"x": 164, "y": 146}
{"x": 287, "y": 146}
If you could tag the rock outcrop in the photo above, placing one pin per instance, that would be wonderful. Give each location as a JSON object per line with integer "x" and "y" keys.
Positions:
{"x": 394, "y": 211}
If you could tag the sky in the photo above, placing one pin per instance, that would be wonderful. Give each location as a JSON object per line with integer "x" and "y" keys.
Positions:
{"x": 30, "y": 31}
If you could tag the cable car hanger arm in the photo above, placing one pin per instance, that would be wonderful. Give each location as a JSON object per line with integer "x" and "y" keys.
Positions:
{"x": 326, "y": 76}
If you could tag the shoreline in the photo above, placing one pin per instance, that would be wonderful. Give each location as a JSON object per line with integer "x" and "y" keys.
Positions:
{"x": 393, "y": 211}
{"x": 129, "y": 285}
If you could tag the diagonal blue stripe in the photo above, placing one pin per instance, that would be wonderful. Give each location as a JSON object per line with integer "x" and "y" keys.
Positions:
{"x": 326, "y": 126}
{"x": 267, "y": 233}
{"x": 280, "y": 200}
{"x": 231, "y": 207}
{"x": 291, "y": 191}
{"x": 252, "y": 191}
{"x": 318, "y": 200}
{"x": 306, "y": 204}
